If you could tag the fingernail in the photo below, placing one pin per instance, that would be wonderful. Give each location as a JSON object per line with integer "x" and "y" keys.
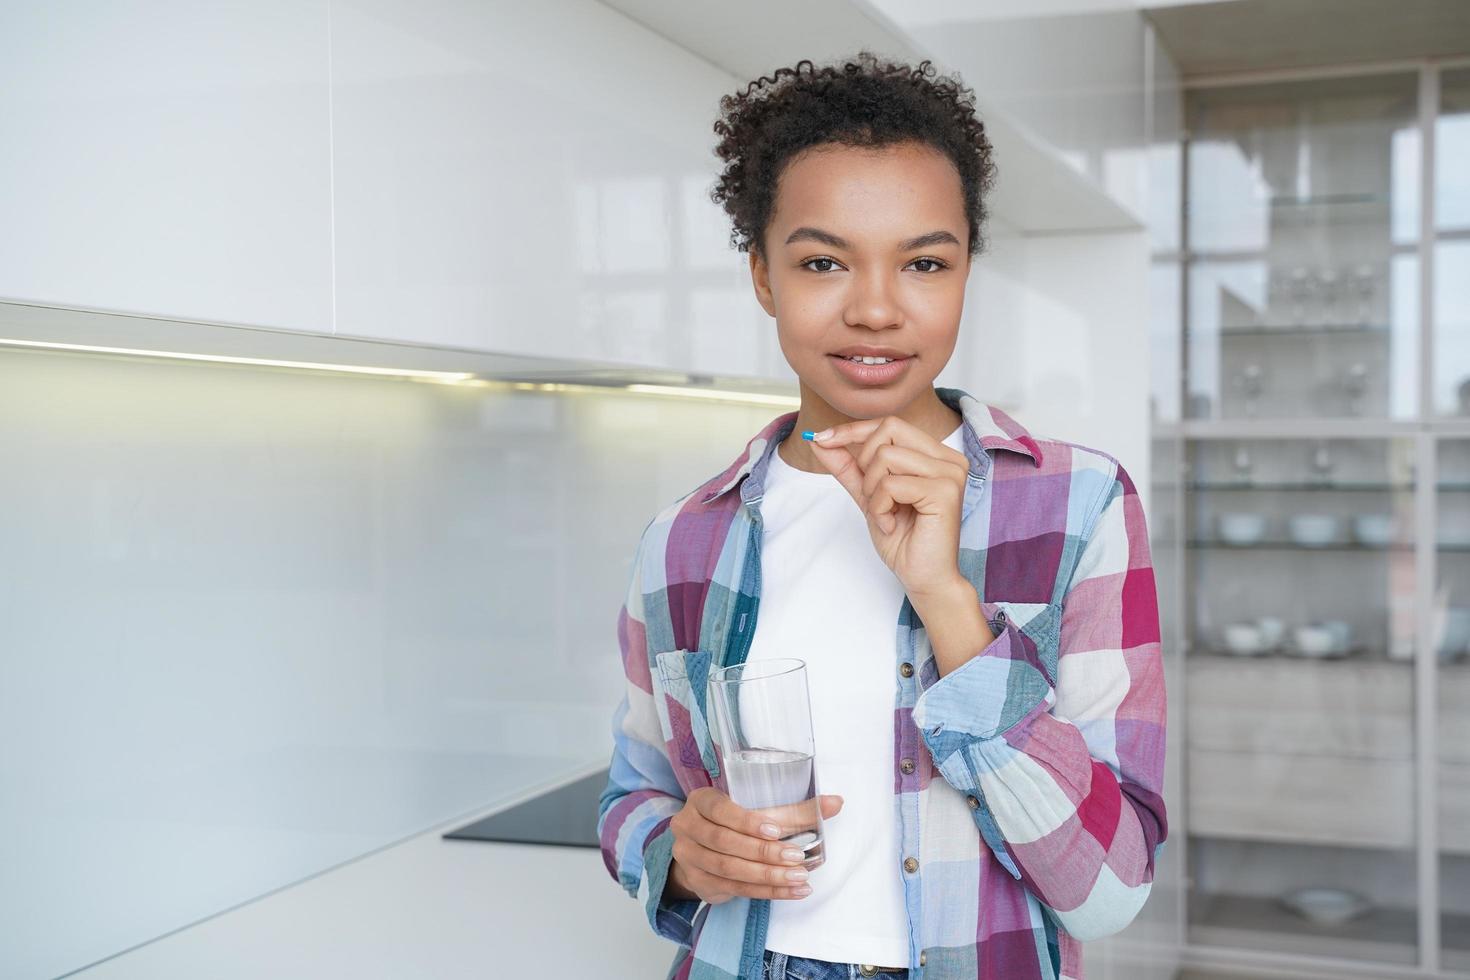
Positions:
{"x": 797, "y": 874}
{"x": 802, "y": 890}
{"x": 770, "y": 830}
{"x": 791, "y": 854}
{"x": 824, "y": 434}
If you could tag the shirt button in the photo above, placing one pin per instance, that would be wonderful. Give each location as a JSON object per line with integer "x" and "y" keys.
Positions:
{"x": 974, "y": 803}
{"x": 907, "y": 765}
{"x": 906, "y": 669}
{"x": 910, "y": 865}
{"x": 922, "y": 957}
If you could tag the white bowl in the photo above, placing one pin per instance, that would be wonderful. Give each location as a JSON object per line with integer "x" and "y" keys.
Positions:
{"x": 1313, "y": 530}
{"x": 1373, "y": 529}
{"x": 1315, "y": 640}
{"x": 1327, "y": 906}
{"x": 1273, "y": 630}
{"x": 1244, "y": 639}
{"x": 1341, "y": 630}
{"x": 1454, "y": 634}
{"x": 1242, "y": 528}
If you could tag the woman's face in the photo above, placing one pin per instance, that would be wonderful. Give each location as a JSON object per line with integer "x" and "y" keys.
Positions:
{"x": 866, "y": 247}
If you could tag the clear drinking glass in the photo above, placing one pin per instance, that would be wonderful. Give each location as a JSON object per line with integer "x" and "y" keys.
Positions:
{"x": 761, "y": 723}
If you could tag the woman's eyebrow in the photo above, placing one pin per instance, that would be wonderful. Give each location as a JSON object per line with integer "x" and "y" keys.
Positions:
{"x": 807, "y": 233}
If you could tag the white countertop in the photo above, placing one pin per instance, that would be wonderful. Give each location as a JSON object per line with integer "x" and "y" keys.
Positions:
{"x": 424, "y": 908}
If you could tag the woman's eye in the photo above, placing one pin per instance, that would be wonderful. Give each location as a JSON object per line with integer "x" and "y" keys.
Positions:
{"x": 936, "y": 264}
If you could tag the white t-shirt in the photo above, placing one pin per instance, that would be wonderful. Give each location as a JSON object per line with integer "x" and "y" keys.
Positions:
{"x": 827, "y": 598}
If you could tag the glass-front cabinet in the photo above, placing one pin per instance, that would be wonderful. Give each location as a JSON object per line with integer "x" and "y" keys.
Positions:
{"x": 1300, "y": 701}
{"x": 1450, "y": 381}
{"x": 1323, "y": 529}
{"x": 1302, "y": 204}
{"x": 1450, "y": 624}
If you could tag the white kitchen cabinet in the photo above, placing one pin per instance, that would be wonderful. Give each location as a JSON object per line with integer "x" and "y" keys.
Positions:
{"x": 1071, "y": 74}
{"x": 533, "y": 178}
{"x": 168, "y": 158}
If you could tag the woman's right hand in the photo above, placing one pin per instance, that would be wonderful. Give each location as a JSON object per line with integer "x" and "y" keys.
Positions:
{"x": 720, "y": 850}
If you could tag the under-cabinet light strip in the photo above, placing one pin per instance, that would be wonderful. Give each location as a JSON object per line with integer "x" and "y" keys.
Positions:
{"x": 447, "y": 376}
{"x": 638, "y": 388}
{"x": 751, "y": 397}
{"x": 462, "y": 378}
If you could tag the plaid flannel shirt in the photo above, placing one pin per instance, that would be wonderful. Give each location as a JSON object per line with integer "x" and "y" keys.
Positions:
{"x": 1033, "y": 815}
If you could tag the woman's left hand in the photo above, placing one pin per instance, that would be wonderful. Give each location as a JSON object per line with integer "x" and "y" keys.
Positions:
{"x": 910, "y": 487}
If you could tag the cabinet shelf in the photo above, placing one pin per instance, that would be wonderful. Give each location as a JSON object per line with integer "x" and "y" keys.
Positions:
{"x": 1301, "y": 331}
{"x": 1208, "y": 486}
{"x": 1204, "y": 486}
{"x": 1385, "y": 934}
{"x": 1293, "y": 546}
{"x": 1442, "y": 547}
{"x": 1357, "y": 655}
{"x": 1320, "y": 200}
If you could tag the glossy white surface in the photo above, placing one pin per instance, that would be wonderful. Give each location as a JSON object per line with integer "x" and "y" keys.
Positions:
{"x": 260, "y": 622}
{"x": 1040, "y": 192}
{"x": 168, "y": 157}
{"x": 1071, "y": 74}
{"x": 534, "y": 178}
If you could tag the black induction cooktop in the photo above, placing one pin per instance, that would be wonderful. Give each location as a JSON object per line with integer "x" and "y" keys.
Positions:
{"x": 566, "y": 816}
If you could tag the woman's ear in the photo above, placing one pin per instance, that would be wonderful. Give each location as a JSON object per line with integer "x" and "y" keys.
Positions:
{"x": 760, "y": 278}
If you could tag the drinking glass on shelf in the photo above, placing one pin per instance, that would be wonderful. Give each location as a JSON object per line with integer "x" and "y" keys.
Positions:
{"x": 1252, "y": 381}
{"x": 1242, "y": 464}
{"x": 1330, "y": 293}
{"x": 1322, "y": 463}
{"x": 1276, "y": 286}
{"x": 1363, "y": 281}
{"x": 1301, "y": 292}
{"x": 1355, "y": 384}
{"x": 762, "y": 726}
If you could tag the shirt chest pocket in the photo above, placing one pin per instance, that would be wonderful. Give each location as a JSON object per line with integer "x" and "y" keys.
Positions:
{"x": 1040, "y": 623}
{"x": 681, "y": 697}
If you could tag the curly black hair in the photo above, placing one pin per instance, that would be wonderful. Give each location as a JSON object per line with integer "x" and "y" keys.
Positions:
{"x": 860, "y": 102}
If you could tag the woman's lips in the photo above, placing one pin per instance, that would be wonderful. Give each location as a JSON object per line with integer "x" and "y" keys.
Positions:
{"x": 871, "y": 374}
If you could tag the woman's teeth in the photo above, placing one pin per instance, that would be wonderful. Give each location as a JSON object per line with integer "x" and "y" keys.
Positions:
{"x": 870, "y": 360}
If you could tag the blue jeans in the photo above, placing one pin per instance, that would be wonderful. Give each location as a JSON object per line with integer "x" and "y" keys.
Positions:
{"x": 780, "y": 966}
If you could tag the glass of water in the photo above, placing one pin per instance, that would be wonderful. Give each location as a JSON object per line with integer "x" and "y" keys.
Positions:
{"x": 761, "y": 723}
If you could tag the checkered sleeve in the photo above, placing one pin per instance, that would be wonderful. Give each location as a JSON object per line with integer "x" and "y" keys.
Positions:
{"x": 1067, "y": 763}
{"x": 642, "y": 793}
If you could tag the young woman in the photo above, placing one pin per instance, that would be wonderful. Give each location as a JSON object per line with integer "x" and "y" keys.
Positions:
{"x": 975, "y": 604}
